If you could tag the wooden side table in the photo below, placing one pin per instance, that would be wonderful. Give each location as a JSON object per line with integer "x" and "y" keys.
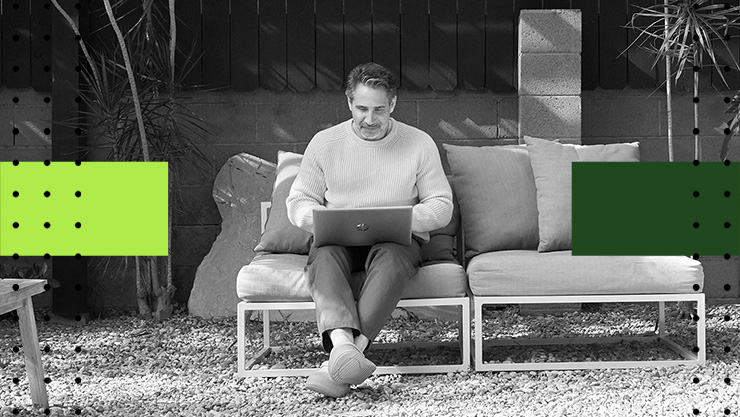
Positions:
{"x": 15, "y": 294}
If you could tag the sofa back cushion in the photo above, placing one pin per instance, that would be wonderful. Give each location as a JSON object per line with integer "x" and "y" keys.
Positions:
{"x": 281, "y": 236}
{"x": 551, "y": 165}
{"x": 496, "y": 192}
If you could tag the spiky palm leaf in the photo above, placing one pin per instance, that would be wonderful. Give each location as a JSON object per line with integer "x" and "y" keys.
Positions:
{"x": 696, "y": 28}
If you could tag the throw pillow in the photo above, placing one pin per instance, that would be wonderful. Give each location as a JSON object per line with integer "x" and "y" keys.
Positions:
{"x": 498, "y": 204}
{"x": 441, "y": 245}
{"x": 280, "y": 235}
{"x": 551, "y": 165}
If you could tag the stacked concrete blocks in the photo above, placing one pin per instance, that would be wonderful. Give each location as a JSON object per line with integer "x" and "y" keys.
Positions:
{"x": 550, "y": 74}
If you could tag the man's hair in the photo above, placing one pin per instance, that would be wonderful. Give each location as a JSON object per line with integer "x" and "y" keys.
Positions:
{"x": 372, "y": 75}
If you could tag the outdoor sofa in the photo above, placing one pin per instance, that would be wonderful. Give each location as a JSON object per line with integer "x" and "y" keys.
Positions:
{"x": 508, "y": 243}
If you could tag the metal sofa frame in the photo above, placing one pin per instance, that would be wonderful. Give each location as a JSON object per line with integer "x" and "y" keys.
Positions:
{"x": 246, "y": 365}
{"x": 698, "y": 357}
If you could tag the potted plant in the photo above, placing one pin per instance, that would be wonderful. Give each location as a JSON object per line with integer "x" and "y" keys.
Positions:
{"x": 132, "y": 95}
{"x": 686, "y": 33}
{"x": 731, "y": 127}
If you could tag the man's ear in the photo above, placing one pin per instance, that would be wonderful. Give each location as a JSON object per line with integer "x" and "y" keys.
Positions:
{"x": 349, "y": 103}
{"x": 393, "y": 104}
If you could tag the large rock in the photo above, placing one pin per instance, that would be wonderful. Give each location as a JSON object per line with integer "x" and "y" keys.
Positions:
{"x": 240, "y": 186}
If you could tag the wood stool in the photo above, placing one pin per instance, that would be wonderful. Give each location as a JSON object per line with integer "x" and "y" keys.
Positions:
{"x": 15, "y": 294}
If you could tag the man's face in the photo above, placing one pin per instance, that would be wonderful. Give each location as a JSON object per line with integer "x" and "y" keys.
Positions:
{"x": 371, "y": 112}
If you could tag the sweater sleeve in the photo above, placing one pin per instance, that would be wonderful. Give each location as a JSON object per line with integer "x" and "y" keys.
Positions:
{"x": 307, "y": 191}
{"x": 434, "y": 209}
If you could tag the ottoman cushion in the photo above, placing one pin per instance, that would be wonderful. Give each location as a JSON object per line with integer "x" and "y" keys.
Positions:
{"x": 279, "y": 277}
{"x": 528, "y": 272}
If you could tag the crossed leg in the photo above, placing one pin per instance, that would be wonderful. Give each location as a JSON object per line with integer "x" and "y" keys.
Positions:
{"x": 351, "y": 325}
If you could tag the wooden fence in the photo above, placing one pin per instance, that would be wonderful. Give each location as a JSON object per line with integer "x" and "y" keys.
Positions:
{"x": 305, "y": 44}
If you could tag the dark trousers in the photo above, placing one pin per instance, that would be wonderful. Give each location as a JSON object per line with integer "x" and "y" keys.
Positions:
{"x": 334, "y": 289}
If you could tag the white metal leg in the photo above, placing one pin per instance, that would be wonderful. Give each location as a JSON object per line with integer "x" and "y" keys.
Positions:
{"x": 691, "y": 358}
{"x": 245, "y": 367}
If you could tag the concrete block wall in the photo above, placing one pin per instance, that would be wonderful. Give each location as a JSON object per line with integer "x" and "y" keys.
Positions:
{"x": 25, "y": 135}
{"x": 263, "y": 122}
{"x": 25, "y": 125}
{"x": 550, "y": 74}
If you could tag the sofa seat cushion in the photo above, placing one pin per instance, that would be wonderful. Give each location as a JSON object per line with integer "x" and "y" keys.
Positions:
{"x": 279, "y": 277}
{"x": 528, "y": 272}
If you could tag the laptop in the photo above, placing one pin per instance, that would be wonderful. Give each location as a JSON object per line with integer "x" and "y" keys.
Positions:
{"x": 363, "y": 226}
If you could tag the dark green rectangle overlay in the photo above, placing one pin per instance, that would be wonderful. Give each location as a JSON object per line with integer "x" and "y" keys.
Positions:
{"x": 656, "y": 208}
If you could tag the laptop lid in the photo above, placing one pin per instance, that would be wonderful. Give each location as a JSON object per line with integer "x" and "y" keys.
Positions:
{"x": 363, "y": 226}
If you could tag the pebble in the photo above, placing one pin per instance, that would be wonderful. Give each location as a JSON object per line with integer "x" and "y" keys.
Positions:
{"x": 194, "y": 371}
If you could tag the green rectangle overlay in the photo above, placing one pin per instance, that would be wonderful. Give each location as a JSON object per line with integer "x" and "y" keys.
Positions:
{"x": 121, "y": 209}
{"x": 656, "y": 208}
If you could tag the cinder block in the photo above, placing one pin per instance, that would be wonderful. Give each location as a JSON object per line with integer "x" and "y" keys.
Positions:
{"x": 508, "y": 118}
{"x": 550, "y": 116}
{"x": 198, "y": 173}
{"x": 198, "y": 206}
{"x": 25, "y": 154}
{"x": 458, "y": 118}
{"x": 183, "y": 278}
{"x": 620, "y": 116}
{"x": 227, "y": 122}
{"x": 190, "y": 244}
{"x": 406, "y": 111}
{"x": 297, "y": 122}
{"x": 550, "y": 74}
{"x": 719, "y": 272}
{"x": 266, "y": 151}
{"x": 26, "y": 96}
{"x": 6, "y": 126}
{"x": 550, "y": 31}
{"x": 31, "y": 122}
{"x": 711, "y": 113}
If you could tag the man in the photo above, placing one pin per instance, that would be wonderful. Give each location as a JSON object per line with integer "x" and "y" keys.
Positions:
{"x": 370, "y": 160}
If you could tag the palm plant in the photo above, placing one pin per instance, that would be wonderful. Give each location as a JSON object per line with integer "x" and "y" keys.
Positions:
{"x": 131, "y": 90}
{"x": 731, "y": 127}
{"x": 686, "y": 32}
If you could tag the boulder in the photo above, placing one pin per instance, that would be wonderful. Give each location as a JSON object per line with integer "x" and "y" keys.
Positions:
{"x": 240, "y": 186}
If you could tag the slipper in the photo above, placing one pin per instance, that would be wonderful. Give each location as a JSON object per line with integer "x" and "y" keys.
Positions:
{"x": 321, "y": 382}
{"x": 347, "y": 365}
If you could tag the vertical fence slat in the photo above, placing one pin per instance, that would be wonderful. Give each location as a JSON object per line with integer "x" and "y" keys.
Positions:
{"x": 612, "y": 41}
{"x": 500, "y": 46}
{"x": 41, "y": 46}
{"x": 329, "y": 44}
{"x": 471, "y": 44}
{"x": 525, "y": 4}
{"x": 189, "y": 38}
{"x": 67, "y": 301}
{"x": 215, "y": 24}
{"x": 733, "y": 75}
{"x": 556, "y": 4}
{"x": 640, "y": 70}
{"x": 272, "y": 44}
{"x": 17, "y": 45}
{"x": 358, "y": 42}
{"x": 301, "y": 45}
{"x": 100, "y": 33}
{"x": 443, "y": 45}
{"x": 65, "y": 82}
{"x": 244, "y": 45}
{"x": 387, "y": 34}
{"x": 589, "y": 42}
{"x": 2, "y": 41}
{"x": 414, "y": 44}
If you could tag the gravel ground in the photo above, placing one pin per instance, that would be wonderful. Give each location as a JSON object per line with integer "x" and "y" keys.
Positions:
{"x": 119, "y": 365}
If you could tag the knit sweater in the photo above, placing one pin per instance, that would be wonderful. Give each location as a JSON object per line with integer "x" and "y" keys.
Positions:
{"x": 339, "y": 169}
